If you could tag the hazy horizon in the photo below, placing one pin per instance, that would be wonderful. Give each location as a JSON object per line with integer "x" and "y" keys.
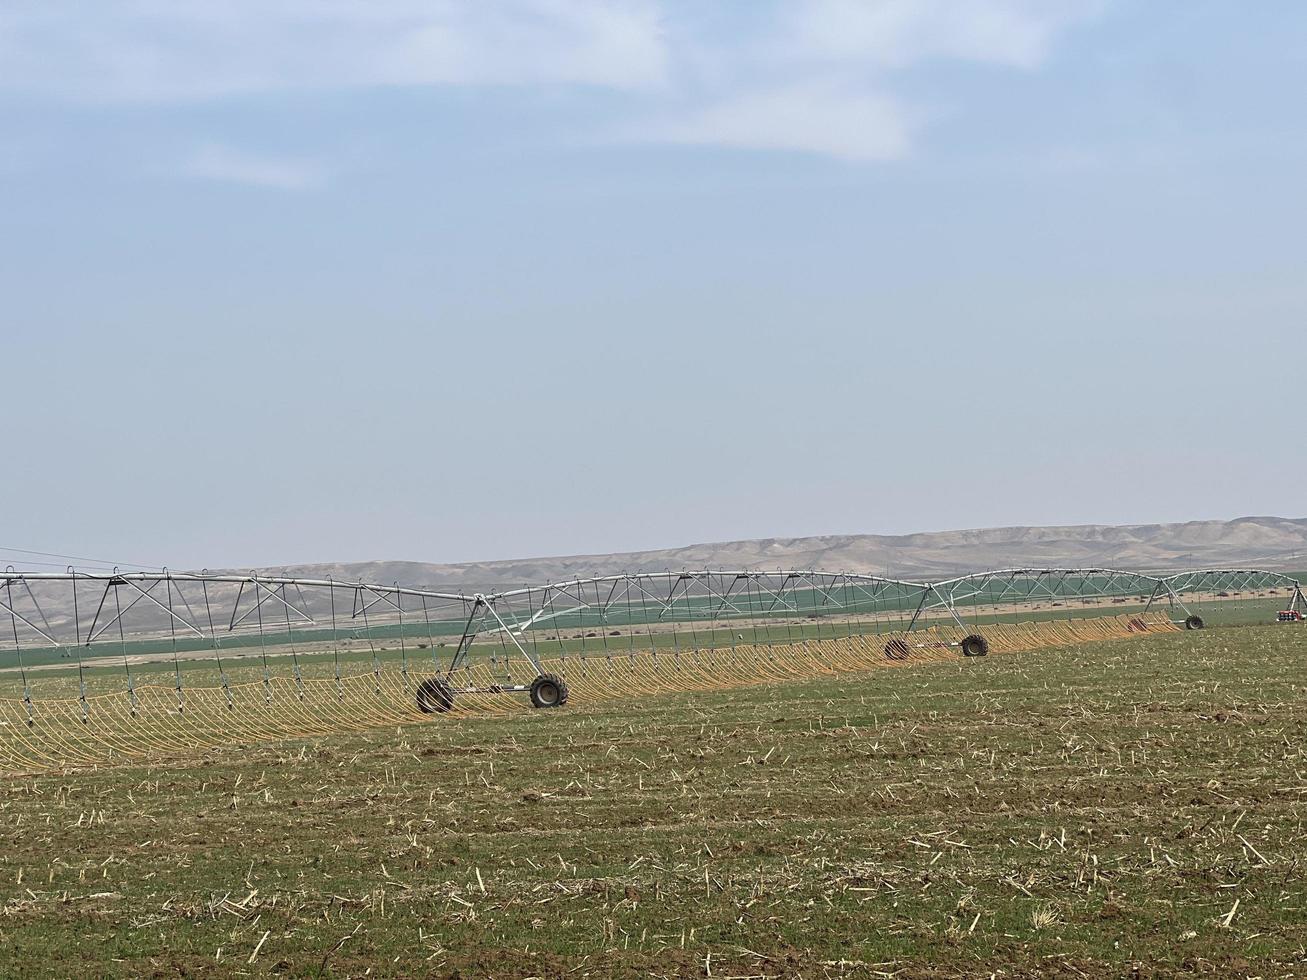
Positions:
{"x": 677, "y": 545}
{"x": 41, "y": 561}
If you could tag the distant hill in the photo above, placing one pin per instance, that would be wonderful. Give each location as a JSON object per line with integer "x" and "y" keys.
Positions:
{"x": 1274, "y": 542}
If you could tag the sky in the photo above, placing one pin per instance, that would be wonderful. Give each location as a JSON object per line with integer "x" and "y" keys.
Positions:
{"x": 288, "y": 281}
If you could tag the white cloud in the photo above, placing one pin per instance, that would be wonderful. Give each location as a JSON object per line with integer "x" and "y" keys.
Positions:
{"x": 809, "y": 117}
{"x": 176, "y": 50}
{"x": 820, "y": 76}
{"x": 224, "y": 163}
{"x": 814, "y": 76}
{"x": 901, "y": 33}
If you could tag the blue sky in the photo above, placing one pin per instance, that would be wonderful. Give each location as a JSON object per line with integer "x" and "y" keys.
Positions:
{"x": 291, "y": 281}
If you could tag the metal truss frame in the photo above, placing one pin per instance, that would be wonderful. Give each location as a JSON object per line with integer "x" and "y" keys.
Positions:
{"x": 1024, "y": 586}
{"x": 1234, "y": 581}
{"x": 210, "y": 607}
{"x": 1059, "y": 586}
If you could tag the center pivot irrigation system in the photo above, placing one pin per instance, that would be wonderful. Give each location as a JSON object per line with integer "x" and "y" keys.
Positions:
{"x": 102, "y": 667}
{"x": 141, "y": 618}
{"x": 711, "y": 602}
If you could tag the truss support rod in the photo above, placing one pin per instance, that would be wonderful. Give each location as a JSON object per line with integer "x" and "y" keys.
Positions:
{"x": 469, "y": 634}
{"x": 1175, "y": 598}
{"x": 952, "y": 610}
{"x": 1172, "y": 597}
{"x": 29, "y": 624}
{"x": 920, "y": 606}
{"x": 175, "y": 617}
{"x": 509, "y": 633}
{"x": 1156, "y": 589}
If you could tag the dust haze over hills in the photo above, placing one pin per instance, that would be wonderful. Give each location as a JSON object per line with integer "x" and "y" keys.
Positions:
{"x": 1273, "y": 542}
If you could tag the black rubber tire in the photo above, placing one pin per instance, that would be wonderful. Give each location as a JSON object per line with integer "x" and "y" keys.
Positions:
{"x": 434, "y": 696}
{"x": 974, "y": 645}
{"x": 896, "y": 650}
{"x": 1193, "y": 622}
{"x": 548, "y": 691}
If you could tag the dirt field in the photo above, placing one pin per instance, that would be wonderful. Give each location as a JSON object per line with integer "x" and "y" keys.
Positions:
{"x": 1128, "y": 808}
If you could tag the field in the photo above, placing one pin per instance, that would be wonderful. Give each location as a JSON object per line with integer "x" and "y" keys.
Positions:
{"x": 1124, "y": 808}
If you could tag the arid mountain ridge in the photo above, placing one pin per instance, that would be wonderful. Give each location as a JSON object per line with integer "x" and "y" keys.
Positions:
{"x": 1273, "y": 542}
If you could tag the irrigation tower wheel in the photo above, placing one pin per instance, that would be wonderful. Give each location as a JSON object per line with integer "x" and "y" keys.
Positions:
{"x": 1194, "y": 622}
{"x": 974, "y": 645}
{"x": 548, "y": 691}
{"x": 434, "y": 695}
{"x": 896, "y": 650}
